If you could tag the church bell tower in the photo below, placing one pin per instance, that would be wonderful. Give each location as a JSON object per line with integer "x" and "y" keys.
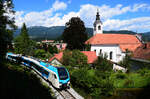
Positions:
{"x": 98, "y": 26}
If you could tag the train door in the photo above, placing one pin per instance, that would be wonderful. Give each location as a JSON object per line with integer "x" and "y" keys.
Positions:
{"x": 54, "y": 80}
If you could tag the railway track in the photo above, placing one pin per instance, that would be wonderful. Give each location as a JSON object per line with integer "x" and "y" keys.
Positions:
{"x": 66, "y": 94}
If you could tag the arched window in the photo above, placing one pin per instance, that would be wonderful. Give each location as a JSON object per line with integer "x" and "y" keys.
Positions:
{"x": 95, "y": 50}
{"x": 100, "y": 51}
{"x": 111, "y": 55}
{"x": 99, "y": 27}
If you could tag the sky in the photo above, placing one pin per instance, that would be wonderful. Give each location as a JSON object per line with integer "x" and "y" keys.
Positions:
{"x": 115, "y": 14}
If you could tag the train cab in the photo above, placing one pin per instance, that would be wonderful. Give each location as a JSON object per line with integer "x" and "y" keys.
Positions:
{"x": 64, "y": 79}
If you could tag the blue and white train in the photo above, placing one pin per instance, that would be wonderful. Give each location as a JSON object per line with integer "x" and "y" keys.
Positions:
{"x": 57, "y": 76}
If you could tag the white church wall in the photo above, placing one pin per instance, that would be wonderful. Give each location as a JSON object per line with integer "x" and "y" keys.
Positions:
{"x": 117, "y": 54}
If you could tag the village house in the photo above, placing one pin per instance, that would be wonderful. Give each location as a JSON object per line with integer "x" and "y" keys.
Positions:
{"x": 56, "y": 59}
{"x": 59, "y": 44}
{"x": 113, "y": 45}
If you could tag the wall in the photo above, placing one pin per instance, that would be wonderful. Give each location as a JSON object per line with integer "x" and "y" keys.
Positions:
{"x": 55, "y": 62}
{"x": 117, "y": 54}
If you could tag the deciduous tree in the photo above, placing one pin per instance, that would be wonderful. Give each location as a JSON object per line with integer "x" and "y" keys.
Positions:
{"x": 74, "y": 34}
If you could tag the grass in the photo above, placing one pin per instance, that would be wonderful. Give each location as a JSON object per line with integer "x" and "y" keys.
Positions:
{"x": 132, "y": 80}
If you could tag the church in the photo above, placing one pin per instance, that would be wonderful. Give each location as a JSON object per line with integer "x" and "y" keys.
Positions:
{"x": 113, "y": 45}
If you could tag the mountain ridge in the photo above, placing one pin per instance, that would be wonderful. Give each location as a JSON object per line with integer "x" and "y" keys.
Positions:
{"x": 39, "y": 33}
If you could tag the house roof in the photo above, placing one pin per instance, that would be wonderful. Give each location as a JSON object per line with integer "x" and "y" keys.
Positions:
{"x": 91, "y": 56}
{"x": 142, "y": 52}
{"x": 57, "y": 56}
{"x": 125, "y": 41}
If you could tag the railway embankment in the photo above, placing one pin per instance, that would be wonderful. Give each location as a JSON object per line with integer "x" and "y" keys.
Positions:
{"x": 18, "y": 82}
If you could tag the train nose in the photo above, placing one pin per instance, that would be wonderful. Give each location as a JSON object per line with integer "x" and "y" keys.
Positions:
{"x": 63, "y": 86}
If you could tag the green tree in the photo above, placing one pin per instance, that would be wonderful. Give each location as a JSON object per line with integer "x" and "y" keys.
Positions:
{"x": 23, "y": 44}
{"x": 42, "y": 54}
{"x": 75, "y": 58}
{"x": 6, "y": 6}
{"x": 96, "y": 85}
{"x": 52, "y": 49}
{"x": 67, "y": 55}
{"x": 79, "y": 59}
{"x": 126, "y": 63}
{"x": 103, "y": 64}
{"x": 74, "y": 34}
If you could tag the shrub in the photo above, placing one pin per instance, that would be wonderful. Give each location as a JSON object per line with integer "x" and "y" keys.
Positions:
{"x": 144, "y": 72}
{"x": 121, "y": 76}
{"x": 129, "y": 83}
{"x": 95, "y": 85}
{"x": 74, "y": 59}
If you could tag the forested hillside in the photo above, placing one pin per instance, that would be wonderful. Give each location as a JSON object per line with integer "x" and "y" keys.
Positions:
{"x": 39, "y": 33}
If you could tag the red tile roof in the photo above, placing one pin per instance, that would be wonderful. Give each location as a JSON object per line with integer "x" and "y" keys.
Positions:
{"x": 91, "y": 56}
{"x": 142, "y": 52}
{"x": 125, "y": 41}
{"x": 57, "y": 56}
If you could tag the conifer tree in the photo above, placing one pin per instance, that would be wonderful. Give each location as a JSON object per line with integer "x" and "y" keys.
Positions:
{"x": 23, "y": 42}
{"x": 6, "y": 8}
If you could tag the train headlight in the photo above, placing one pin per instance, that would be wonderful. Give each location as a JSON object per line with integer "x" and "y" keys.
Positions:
{"x": 69, "y": 83}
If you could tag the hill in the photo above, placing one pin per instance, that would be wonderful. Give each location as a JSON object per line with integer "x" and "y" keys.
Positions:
{"x": 39, "y": 33}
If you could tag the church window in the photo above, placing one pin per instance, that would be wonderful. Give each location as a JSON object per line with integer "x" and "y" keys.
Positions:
{"x": 99, "y": 27}
{"x": 100, "y": 51}
{"x": 111, "y": 54}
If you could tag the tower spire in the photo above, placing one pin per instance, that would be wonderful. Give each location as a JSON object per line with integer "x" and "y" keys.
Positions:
{"x": 97, "y": 16}
{"x": 97, "y": 24}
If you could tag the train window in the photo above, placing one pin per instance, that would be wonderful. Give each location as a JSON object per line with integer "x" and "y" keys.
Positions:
{"x": 62, "y": 73}
{"x": 45, "y": 72}
{"x": 36, "y": 67}
{"x": 55, "y": 76}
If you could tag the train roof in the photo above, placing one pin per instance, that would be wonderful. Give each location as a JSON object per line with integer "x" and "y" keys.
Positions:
{"x": 39, "y": 62}
{"x": 48, "y": 66}
{"x": 12, "y": 54}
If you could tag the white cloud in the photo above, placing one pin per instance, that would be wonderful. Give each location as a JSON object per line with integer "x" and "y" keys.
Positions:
{"x": 136, "y": 7}
{"x": 131, "y": 24}
{"x": 43, "y": 18}
{"x": 59, "y": 5}
{"x": 87, "y": 13}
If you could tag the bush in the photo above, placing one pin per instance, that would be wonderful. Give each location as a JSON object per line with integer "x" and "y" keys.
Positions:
{"x": 42, "y": 54}
{"x": 94, "y": 85}
{"x": 102, "y": 64}
{"x": 129, "y": 83}
{"x": 144, "y": 72}
{"x": 74, "y": 59}
{"x": 121, "y": 76}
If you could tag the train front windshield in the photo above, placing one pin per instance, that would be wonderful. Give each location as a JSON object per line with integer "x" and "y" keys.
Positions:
{"x": 62, "y": 73}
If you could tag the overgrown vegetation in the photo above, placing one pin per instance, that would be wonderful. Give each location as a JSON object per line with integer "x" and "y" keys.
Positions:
{"x": 74, "y": 58}
{"x": 18, "y": 82}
